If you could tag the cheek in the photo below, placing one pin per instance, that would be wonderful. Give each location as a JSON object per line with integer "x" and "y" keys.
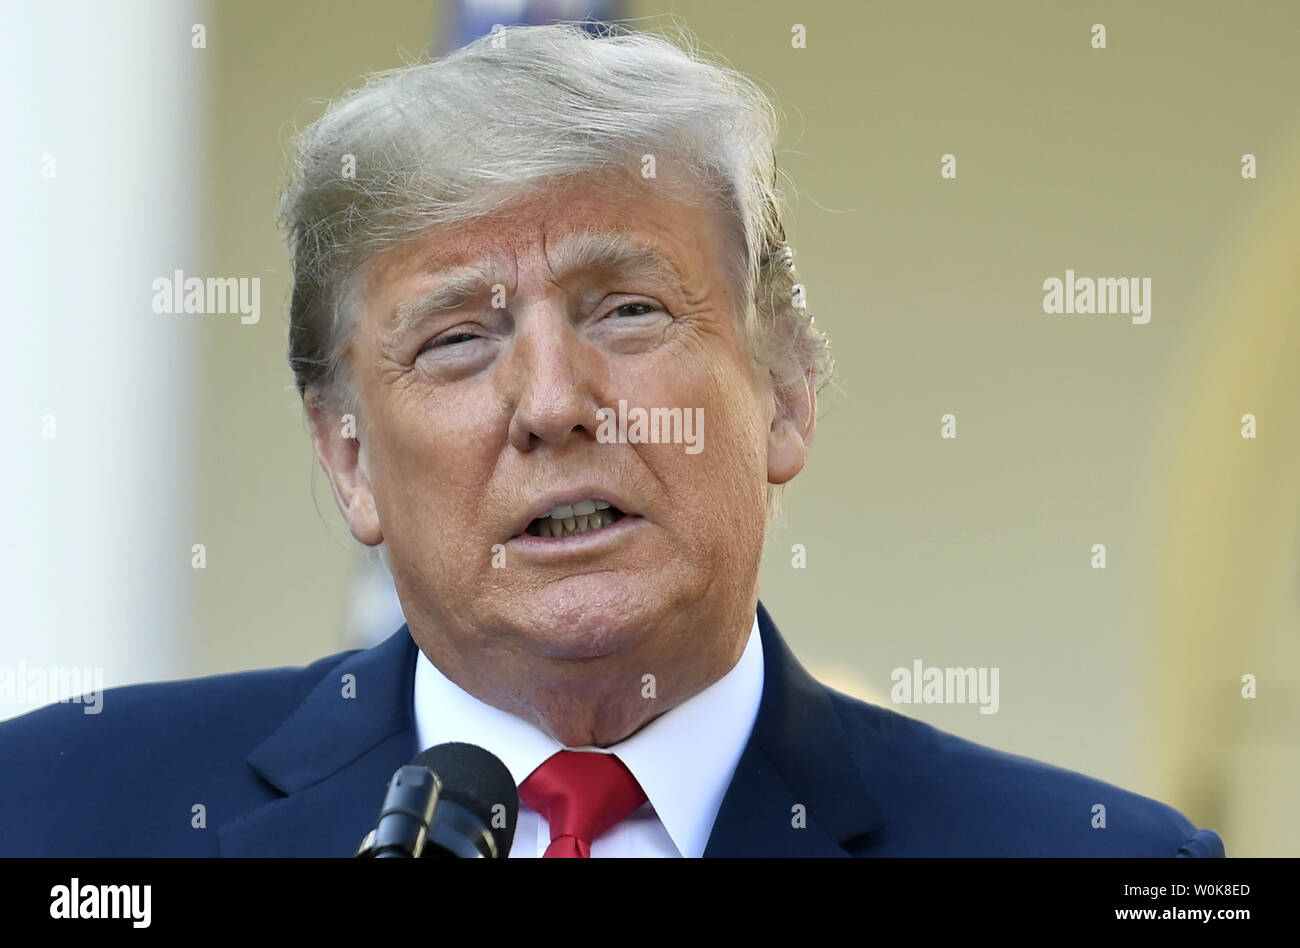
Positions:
{"x": 737, "y": 417}
{"x": 428, "y": 483}
{"x": 731, "y": 466}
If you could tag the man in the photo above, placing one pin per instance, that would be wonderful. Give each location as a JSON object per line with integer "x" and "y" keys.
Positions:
{"x": 549, "y": 339}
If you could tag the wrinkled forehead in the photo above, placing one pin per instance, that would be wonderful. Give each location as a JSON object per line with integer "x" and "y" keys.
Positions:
{"x": 606, "y": 224}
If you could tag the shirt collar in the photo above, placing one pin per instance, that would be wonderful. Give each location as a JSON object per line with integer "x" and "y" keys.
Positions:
{"x": 684, "y": 759}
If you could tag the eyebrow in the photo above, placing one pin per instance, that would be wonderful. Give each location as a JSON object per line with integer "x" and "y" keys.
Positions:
{"x": 596, "y": 251}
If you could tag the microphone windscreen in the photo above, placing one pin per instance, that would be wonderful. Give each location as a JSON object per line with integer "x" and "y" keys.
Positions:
{"x": 477, "y": 780}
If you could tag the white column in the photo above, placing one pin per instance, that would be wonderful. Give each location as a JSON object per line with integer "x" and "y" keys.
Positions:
{"x": 102, "y": 115}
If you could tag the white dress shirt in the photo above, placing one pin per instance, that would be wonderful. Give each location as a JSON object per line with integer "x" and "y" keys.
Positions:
{"x": 684, "y": 759}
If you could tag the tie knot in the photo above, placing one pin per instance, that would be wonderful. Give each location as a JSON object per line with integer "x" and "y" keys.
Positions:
{"x": 582, "y": 794}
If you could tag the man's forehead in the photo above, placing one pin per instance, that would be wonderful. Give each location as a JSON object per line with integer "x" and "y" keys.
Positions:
{"x": 587, "y": 251}
{"x": 613, "y": 249}
{"x": 578, "y": 222}
{"x": 454, "y": 271}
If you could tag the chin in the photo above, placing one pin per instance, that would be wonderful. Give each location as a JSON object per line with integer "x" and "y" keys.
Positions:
{"x": 586, "y": 617}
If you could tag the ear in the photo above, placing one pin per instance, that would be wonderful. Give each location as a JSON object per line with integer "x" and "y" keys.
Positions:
{"x": 336, "y": 437}
{"x": 791, "y": 435}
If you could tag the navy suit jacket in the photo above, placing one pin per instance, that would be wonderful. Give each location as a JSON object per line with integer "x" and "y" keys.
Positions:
{"x": 283, "y": 764}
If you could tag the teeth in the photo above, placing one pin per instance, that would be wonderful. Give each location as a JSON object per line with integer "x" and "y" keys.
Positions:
{"x": 569, "y": 526}
{"x": 581, "y": 507}
{"x": 576, "y": 518}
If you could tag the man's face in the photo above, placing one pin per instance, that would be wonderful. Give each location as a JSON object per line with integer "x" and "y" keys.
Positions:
{"x": 480, "y": 412}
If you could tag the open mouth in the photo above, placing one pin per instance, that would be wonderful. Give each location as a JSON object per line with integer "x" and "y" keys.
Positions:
{"x": 582, "y": 517}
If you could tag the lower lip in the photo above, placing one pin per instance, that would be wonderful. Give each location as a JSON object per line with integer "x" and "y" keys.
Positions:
{"x": 578, "y": 542}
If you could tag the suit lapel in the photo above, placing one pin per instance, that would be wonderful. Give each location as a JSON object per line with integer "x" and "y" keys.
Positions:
{"x": 797, "y": 757}
{"x": 333, "y": 758}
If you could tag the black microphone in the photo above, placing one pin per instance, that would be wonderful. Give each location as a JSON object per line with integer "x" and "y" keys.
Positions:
{"x": 454, "y": 800}
{"x": 404, "y": 819}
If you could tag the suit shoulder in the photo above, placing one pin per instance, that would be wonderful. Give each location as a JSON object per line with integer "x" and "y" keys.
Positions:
{"x": 124, "y": 778}
{"x": 955, "y": 792}
{"x": 213, "y": 702}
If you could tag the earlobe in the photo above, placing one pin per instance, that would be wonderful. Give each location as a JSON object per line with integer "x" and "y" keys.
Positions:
{"x": 791, "y": 435}
{"x": 339, "y": 450}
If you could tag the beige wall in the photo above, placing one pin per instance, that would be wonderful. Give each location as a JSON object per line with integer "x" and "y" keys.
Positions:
{"x": 279, "y": 556}
{"x": 1072, "y": 430}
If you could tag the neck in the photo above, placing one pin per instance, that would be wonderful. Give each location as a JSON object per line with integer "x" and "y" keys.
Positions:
{"x": 599, "y": 701}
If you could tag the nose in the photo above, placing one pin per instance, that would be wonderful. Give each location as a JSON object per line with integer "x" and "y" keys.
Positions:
{"x": 549, "y": 371}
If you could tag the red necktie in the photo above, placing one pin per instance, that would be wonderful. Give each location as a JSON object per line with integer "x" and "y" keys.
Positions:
{"x": 582, "y": 794}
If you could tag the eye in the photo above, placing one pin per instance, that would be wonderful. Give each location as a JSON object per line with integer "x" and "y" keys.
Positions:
{"x": 632, "y": 310}
{"x": 454, "y": 338}
{"x": 450, "y": 339}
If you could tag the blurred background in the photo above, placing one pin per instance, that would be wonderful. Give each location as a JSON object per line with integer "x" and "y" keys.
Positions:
{"x": 168, "y": 518}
